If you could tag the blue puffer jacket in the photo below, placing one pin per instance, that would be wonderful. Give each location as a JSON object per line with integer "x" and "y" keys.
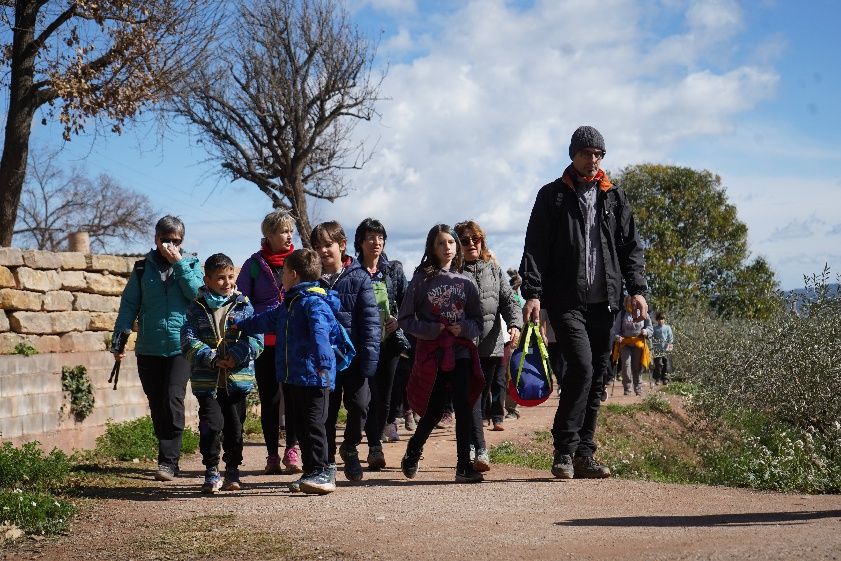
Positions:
{"x": 160, "y": 306}
{"x": 303, "y": 324}
{"x": 359, "y": 315}
{"x": 202, "y": 339}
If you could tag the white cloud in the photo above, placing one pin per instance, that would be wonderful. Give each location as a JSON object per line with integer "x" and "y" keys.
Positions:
{"x": 482, "y": 118}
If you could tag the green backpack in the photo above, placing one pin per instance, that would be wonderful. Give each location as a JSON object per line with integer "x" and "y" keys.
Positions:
{"x": 381, "y": 297}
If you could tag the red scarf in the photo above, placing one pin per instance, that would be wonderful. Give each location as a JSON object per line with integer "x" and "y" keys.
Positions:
{"x": 275, "y": 259}
{"x": 601, "y": 177}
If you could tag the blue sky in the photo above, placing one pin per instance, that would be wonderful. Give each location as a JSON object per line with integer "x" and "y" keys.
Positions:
{"x": 482, "y": 99}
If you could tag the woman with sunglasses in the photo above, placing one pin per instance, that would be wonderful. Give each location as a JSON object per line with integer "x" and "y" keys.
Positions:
{"x": 497, "y": 304}
{"x": 158, "y": 292}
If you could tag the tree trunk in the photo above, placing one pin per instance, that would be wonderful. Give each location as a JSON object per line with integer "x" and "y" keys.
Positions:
{"x": 299, "y": 210}
{"x": 22, "y": 105}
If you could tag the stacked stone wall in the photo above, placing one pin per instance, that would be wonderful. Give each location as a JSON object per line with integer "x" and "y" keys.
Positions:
{"x": 60, "y": 302}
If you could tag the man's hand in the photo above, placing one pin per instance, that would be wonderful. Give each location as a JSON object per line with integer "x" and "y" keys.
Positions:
{"x": 531, "y": 311}
{"x": 119, "y": 356}
{"x": 639, "y": 307}
{"x": 514, "y": 333}
{"x": 225, "y": 363}
{"x": 391, "y": 325}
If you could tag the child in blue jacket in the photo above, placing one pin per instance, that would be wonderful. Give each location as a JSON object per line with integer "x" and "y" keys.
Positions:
{"x": 222, "y": 369}
{"x": 305, "y": 324}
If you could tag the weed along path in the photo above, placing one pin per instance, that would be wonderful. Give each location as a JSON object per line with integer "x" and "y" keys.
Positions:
{"x": 517, "y": 513}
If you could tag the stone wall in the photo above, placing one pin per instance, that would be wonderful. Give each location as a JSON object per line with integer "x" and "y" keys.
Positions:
{"x": 64, "y": 305}
{"x": 60, "y": 302}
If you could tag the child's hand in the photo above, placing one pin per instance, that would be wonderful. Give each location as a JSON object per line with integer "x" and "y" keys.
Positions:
{"x": 391, "y": 325}
{"x": 454, "y": 329}
{"x": 225, "y": 363}
{"x": 669, "y": 347}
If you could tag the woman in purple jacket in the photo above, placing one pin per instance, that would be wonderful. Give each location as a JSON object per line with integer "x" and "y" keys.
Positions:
{"x": 260, "y": 280}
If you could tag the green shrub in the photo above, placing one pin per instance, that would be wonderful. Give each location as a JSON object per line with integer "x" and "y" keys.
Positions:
{"x": 787, "y": 368}
{"x": 252, "y": 425}
{"x": 25, "y": 348}
{"x": 77, "y": 384}
{"x": 136, "y": 439}
{"x": 29, "y": 468}
{"x": 33, "y": 512}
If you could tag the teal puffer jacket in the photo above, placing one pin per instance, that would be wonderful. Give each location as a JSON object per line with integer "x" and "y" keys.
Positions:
{"x": 160, "y": 306}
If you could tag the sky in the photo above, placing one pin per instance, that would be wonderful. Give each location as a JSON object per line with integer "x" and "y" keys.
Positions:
{"x": 481, "y": 97}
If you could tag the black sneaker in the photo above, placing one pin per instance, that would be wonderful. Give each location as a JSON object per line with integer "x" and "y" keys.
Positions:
{"x": 231, "y": 481}
{"x": 376, "y": 459}
{"x": 562, "y": 466}
{"x": 410, "y": 463}
{"x": 318, "y": 482}
{"x": 585, "y": 467}
{"x": 353, "y": 469}
{"x": 165, "y": 472}
{"x": 468, "y": 475}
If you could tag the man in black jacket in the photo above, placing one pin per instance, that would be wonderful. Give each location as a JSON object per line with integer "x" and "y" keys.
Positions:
{"x": 581, "y": 243}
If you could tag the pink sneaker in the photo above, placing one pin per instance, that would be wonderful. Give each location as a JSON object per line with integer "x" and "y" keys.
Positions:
{"x": 292, "y": 460}
{"x": 272, "y": 465}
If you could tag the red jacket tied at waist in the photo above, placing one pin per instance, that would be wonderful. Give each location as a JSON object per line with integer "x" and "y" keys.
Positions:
{"x": 439, "y": 354}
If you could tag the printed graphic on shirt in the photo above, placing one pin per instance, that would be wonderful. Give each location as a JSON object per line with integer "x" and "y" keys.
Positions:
{"x": 448, "y": 302}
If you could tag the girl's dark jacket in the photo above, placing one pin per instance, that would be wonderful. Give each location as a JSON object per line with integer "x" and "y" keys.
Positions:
{"x": 553, "y": 264}
{"x": 359, "y": 315}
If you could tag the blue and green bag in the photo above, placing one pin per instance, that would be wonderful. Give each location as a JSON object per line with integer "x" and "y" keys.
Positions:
{"x": 530, "y": 381}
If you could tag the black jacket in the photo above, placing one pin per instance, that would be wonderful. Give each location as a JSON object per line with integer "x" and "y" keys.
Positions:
{"x": 553, "y": 264}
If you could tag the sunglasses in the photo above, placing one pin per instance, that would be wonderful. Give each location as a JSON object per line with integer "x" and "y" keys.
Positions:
{"x": 173, "y": 241}
{"x": 466, "y": 240}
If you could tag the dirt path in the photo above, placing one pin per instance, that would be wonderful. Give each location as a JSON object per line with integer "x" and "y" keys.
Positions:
{"x": 515, "y": 513}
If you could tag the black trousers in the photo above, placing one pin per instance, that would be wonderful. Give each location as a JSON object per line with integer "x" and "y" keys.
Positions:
{"x": 449, "y": 385}
{"x": 164, "y": 380}
{"x": 352, "y": 387}
{"x": 268, "y": 388}
{"x": 398, "y": 392}
{"x": 309, "y": 411}
{"x": 491, "y": 405}
{"x": 220, "y": 426}
{"x": 661, "y": 368}
{"x": 585, "y": 341}
{"x": 381, "y": 387}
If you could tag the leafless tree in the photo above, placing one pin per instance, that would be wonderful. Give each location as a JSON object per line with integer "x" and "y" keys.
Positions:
{"x": 277, "y": 103}
{"x": 56, "y": 203}
{"x": 86, "y": 60}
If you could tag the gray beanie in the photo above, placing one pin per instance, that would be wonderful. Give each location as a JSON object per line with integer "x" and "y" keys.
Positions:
{"x": 585, "y": 137}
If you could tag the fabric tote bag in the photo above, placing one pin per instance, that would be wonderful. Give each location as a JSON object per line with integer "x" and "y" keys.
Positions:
{"x": 531, "y": 378}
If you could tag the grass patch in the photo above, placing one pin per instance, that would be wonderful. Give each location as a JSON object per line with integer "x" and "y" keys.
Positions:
{"x": 213, "y": 537}
{"x": 135, "y": 439}
{"x": 536, "y": 455}
{"x": 34, "y": 512}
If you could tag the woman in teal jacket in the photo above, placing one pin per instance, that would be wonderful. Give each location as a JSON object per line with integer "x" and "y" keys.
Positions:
{"x": 159, "y": 290}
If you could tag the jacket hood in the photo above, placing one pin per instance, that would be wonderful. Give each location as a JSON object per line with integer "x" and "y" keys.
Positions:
{"x": 313, "y": 290}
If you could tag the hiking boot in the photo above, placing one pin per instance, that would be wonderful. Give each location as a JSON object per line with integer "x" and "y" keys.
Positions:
{"x": 390, "y": 433}
{"x": 468, "y": 475}
{"x": 498, "y": 426}
{"x": 410, "y": 463}
{"x": 586, "y": 467}
{"x": 272, "y": 465}
{"x": 212, "y": 481}
{"x": 562, "y": 466}
{"x": 627, "y": 391}
{"x": 165, "y": 472}
{"x": 603, "y": 395}
{"x": 483, "y": 460}
{"x": 353, "y": 469}
{"x": 292, "y": 460}
{"x": 231, "y": 482}
{"x": 638, "y": 390}
{"x": 318, "y": 482}
{"x": 410, "y": 422}
{"x": 376, "y": 459}
{"x": 446, "y": 421}
{"x": 512, "y": 415}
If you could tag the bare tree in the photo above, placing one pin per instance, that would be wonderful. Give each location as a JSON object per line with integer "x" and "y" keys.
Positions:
{"x": 279, "y": 100}
{"x": 56, "y": 203}
{"x": 89, "y": 59}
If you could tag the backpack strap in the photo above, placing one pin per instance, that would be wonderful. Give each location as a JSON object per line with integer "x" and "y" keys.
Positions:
{"x": 139, "y": 267}
{"x": 254, "y": 269}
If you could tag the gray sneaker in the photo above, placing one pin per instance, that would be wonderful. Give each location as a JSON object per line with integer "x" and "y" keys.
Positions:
{"x": 165, "y": 473}
{"x": 482, "y": 462}
{"x": 319, "y": 482}
{"x": 586, "y": 467}
{"x": 562, "y": 466}
{"x": 376, "y": 459}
